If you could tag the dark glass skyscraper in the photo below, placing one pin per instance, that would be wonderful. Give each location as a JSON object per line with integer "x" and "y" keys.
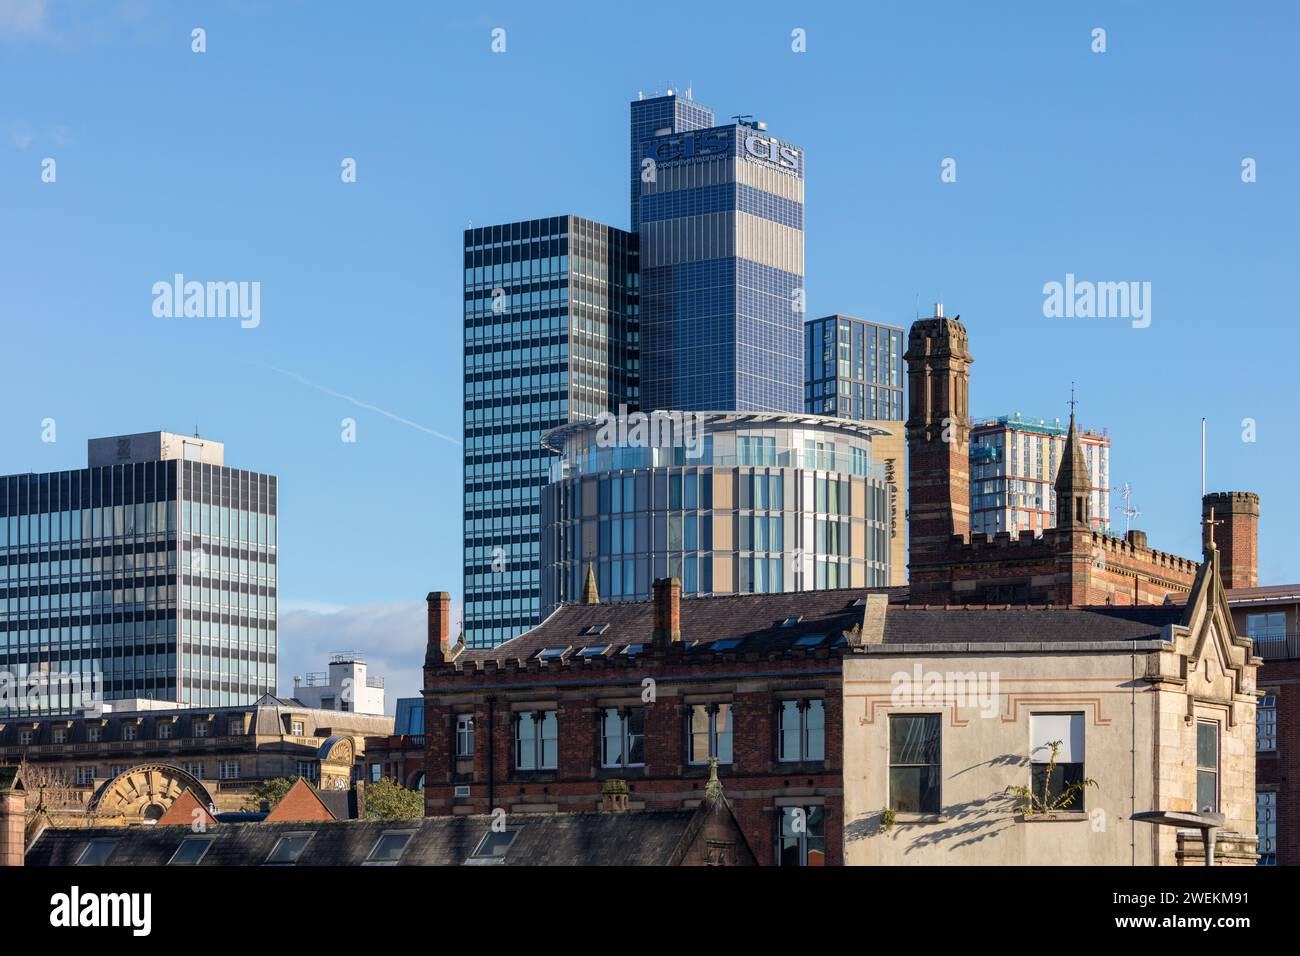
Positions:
{"x": 149, "y": 574}
{"x": 550, "y": 310}
{"x": 721, "y": 224}
{"x": 659, "y": 116}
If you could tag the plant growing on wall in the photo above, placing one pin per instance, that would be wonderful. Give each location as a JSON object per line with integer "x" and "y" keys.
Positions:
{"x": 888, "y": 817}
{"x": 1047, "y": 803}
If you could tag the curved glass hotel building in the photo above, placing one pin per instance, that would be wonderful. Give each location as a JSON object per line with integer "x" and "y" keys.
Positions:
{"x": 751, "y": 503}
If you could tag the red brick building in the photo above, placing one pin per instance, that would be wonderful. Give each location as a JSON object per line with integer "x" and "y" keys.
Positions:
{"x": 1270, "y": 616}
{"x": 629, "y": 701}
{"x": 625, "y": 699}
{"x": 1070, "y": 564}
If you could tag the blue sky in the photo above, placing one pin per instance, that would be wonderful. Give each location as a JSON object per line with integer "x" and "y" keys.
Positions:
{"x": 1116, "y": 166}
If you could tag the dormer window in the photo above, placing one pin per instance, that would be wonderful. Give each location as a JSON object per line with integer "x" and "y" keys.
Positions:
{"x": 202, "y": 728}
{"x": 551, "y": 653}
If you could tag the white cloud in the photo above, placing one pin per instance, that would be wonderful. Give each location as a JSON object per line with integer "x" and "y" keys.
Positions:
{"x": 20, "y": 134}
{"x": 22, "y": 17}
{"x": 391, "y": 637}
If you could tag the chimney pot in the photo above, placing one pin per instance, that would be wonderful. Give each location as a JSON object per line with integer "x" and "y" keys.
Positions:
{"x": 668, "y": 611}
{"x": 439, "y": 640}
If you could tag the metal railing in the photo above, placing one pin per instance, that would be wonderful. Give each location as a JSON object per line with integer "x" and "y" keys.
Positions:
{"x": 1278, "y": 645}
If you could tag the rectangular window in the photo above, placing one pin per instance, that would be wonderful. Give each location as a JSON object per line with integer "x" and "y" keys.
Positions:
{"x": 802, "y": 732}
{"x": 94, "y": 734}
{"x": 710, "y": 733}
{"x": 387, "y": 850}
{"x": 235, "y": 727}
{"x": 914, "y": 769}
{"x": 165, "y": 730}
{"x": 622, "y": 737}
{"x": 288, "y": 849}
{"x": 202, "y": 728}
{"x": 376, "y": 772}
{"x": 465, "y": 735}
{"x": 129, "y": 731}
{"x": 803, "y": 836}
{"x": 1207, "y": 766}
{"x": 1065, "y": 731}
{"x": 97, "y": 852}
{"x": 535, "y": 740}
{"x": 296, "y": 728}
{"x": 228, "y": 770}
{"x": 1266, "y": 826}
{"x": 1266, "y": 724}
{"x": 60, "y": 735}
{"x": 25, "y": 737}
{"x": 85, "y": 776}
{"x": 191, "y": 851}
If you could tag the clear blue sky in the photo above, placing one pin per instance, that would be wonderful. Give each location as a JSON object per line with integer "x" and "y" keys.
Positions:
{"x": 1124, "y": 165}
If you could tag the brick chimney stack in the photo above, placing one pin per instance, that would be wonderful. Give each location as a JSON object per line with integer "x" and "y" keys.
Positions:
{"x": 1236, "y": 535}
{"x": 438, "y": 649}
{"x": 668, "y": 611}
{"x": 13, "y": 819}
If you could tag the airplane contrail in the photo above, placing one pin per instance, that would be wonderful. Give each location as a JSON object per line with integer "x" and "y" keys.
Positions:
{"x": 366, "y": 405}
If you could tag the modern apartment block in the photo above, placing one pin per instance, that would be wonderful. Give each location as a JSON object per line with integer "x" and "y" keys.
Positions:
{"x": 150, "y": 574}
{"x": 550, "y": 337}
{"x": 854, "y": 369}
{"x": 722, "y": 266}
{"x": 1013, "y": 461}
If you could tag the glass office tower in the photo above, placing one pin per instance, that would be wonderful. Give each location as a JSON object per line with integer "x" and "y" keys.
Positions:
{"x": 854, "y": 369}
{"x": 550, "y": 313}
{"x": 151, "y": 574}
{"x": 659, "y": 116}
{"x": 722, "y": 271}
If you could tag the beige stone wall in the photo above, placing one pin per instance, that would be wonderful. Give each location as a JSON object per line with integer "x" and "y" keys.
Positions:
{"x": 985, "y": 750}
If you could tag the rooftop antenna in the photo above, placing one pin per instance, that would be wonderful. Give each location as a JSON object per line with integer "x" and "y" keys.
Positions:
{"x": 1073, "y": 401}
{"x": 1203, "y": 466}
{"x": 196, "y": 430}
{"x": 1129, "y": 511}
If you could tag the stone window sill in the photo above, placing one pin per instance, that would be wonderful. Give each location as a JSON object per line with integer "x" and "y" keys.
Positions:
{"x": 1070, "y": 817}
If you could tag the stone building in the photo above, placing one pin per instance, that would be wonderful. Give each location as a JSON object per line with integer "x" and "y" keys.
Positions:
{"x": 946, "y": 707}
{"x": 128, "y": 763}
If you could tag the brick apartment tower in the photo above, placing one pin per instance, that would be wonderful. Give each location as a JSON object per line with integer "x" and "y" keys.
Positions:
{"x": 938, "y": 434}
{"x": 1236, "y": 535}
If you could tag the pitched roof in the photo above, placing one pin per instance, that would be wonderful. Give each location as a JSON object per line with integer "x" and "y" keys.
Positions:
{"x": 183, "y": 812}
{"x": 300, "y": 803}
{"x": 915, "y": 625}
{"x": 628, "y": 838}
{"x": 757, "y": 622}
{"x": 816, "y": 620}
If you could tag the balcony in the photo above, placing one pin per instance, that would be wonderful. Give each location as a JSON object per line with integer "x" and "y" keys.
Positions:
{"x": 1277, "y": 645}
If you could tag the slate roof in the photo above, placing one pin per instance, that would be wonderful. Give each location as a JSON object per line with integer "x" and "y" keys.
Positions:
{"x": 754, "y": 623}
{"x": 629, "y": 838}
{"x": 971, "y": 624}
{"x": 754, "y": 620}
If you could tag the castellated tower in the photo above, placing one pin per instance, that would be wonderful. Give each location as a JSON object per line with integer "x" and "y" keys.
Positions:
{"x": 938, "y": 432}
